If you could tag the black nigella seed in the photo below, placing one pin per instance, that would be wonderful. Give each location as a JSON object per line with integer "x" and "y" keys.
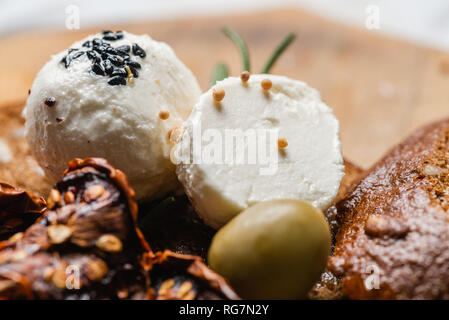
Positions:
{"x": 117, "y": 80}
{"x": 134, "y": 64}
{"x": 120, "y": 72}
{"x": 125, "y": 57}
{"x": 134, "y": 72}
{"x": 111, "y": 50}
{"x": 93, "y": 55}
{"x": 138, "y": 51}
{"x": 116, "y": 60}
{"x": 119, "y": 34}
{"x": 77, "y": 54}
{"x": 50, "y": 101}
{"x": 108, "y": 67}
{"x": 100, "y": 49}
{"x": 123, "y": 49}
{"x": 66, "y": 60}
{"x": 98, "y": 69}
{"x": 107, "y": 60}
{"x": 96, "y": 42}
{"x": 110, "y": 37}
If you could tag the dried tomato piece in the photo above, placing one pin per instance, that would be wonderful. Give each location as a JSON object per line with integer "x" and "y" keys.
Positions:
{"x": 18, "y": 210}
{"x": 88, "y": 246}
{"x": 185, "y": 277}
{"x": 85, "y": 246}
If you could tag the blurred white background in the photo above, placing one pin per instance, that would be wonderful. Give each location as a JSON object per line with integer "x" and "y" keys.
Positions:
{"x": 421, "y": 21}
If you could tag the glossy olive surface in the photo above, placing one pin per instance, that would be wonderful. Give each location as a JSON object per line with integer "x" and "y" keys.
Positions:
{"x": 272, "y": 250}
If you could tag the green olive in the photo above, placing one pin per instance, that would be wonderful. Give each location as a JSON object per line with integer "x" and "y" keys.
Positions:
{"x": 272, "y": 250}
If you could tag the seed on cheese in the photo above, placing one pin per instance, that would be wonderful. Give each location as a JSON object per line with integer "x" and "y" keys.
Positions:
{"x": 163, "y": 115}
{"x": 266, "y": 84}
{"x": 244, "y": 76}
{"x": 218, "y": 94}
{"x": 311, "y": 170}
{"x": 282, "y": 143}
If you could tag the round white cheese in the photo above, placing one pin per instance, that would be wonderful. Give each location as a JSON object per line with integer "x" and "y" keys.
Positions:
{"x": 231, "y": 154}
{"x": 91, "y": 118}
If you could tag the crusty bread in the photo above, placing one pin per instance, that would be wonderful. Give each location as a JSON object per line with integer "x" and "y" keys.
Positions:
{"x": 393, "y": 237}
{"x": 329, "y": 287}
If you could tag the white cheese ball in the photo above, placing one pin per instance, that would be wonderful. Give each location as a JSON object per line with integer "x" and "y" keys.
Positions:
{"x": 309, "y": 168}
{"x": 91, "y": 118}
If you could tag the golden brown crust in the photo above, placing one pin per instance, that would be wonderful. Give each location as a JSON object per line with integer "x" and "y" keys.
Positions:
{"x": 393, "y": 240}
{"x": 352, "y": 176}
{"x": 329, "y": 287}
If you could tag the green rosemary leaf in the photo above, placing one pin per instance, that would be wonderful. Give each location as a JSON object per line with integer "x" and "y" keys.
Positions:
{"x": 235, "y": 37}
{"x": 220, "y": 72}
{"x": 278, "y": 51}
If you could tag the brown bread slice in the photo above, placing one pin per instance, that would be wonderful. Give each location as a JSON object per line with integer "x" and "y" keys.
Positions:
{"x": 393, "y": 237}
{"x": 329, "y": 287}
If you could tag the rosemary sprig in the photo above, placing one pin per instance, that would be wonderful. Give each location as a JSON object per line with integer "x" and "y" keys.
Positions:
{"x": 235, "y": 37}
{"x": 278, "y": 51}
{"x": 220, "y": 72}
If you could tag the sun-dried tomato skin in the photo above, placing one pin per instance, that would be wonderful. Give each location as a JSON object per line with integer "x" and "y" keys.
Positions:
{"x": 87, "y": 246}
{"x": 18, "y": 210}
